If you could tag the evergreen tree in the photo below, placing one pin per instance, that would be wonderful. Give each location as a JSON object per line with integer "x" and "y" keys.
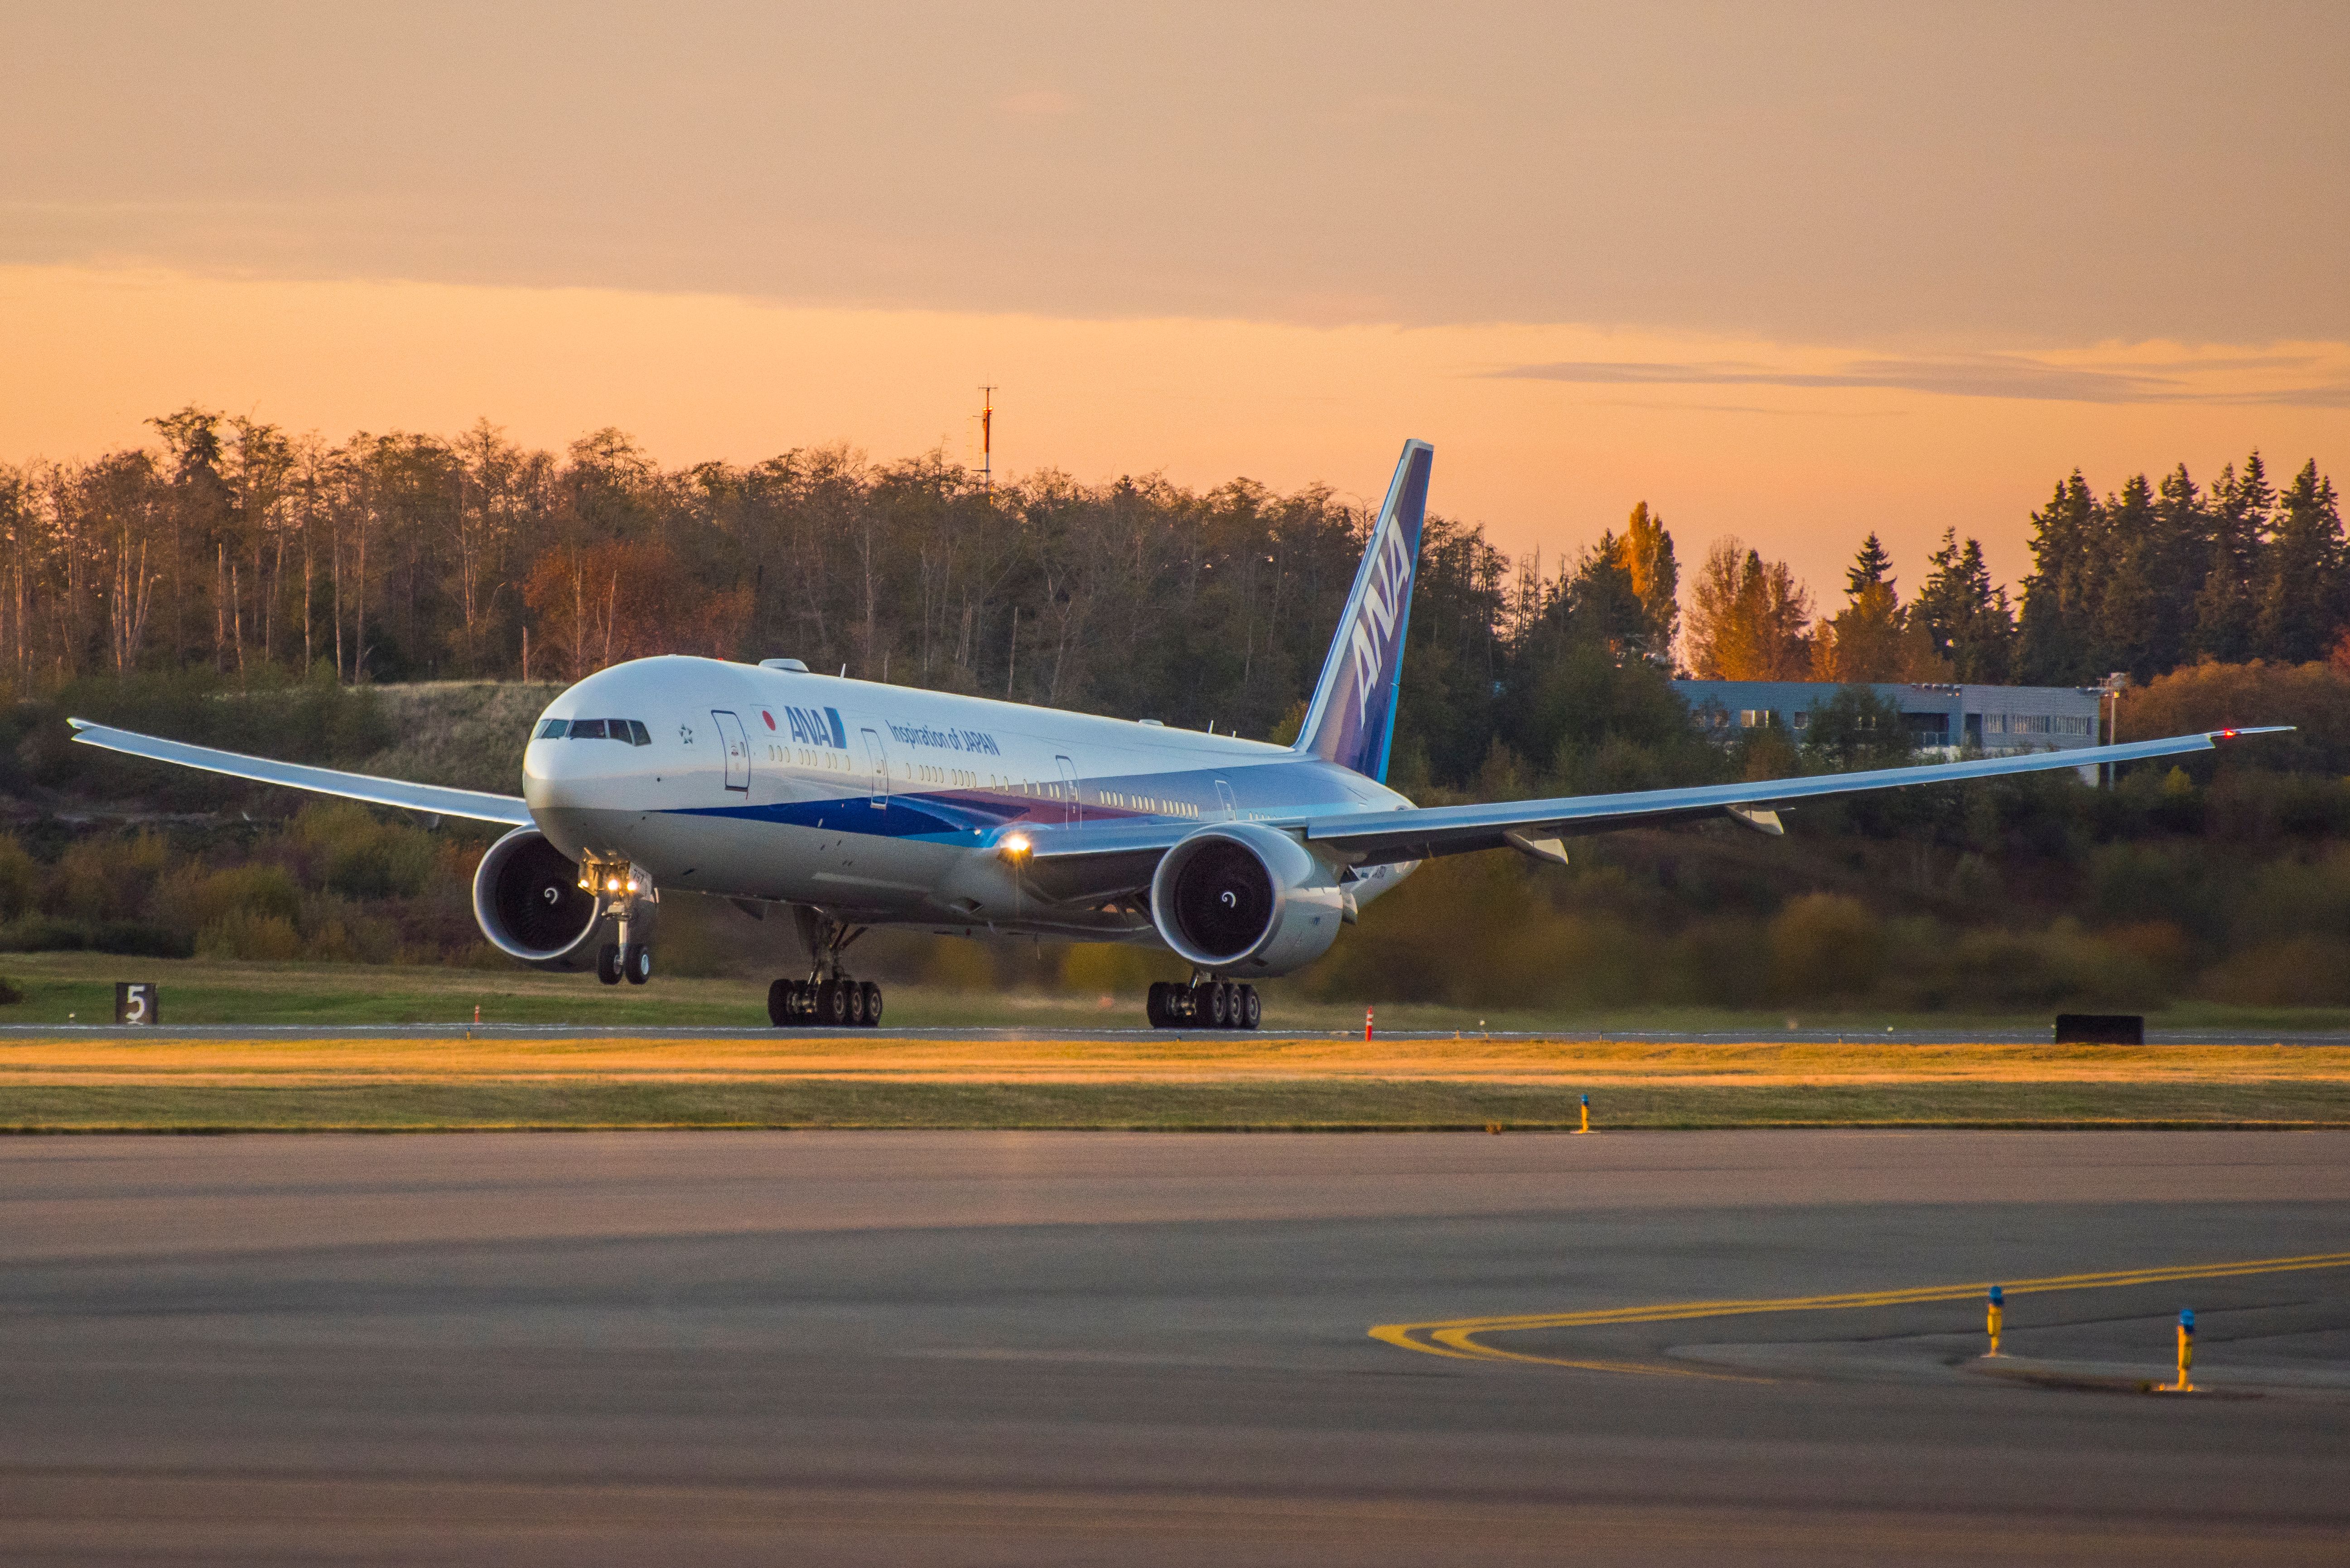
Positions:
{"x": 2238, "y": 523}
{"x": 1599, "y": 602}
{"x": 2181, "y": 557}
{"x": 1967, "y": 618}
{"x": 2300, "y": 593}
{"x": 2059, "y": 643}
{"x": 1871, "y": 565}
{"x": 2130, "y": 632}
{"x": 1875, "y": 637}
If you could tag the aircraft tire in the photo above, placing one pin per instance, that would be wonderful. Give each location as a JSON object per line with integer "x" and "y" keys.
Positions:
{"x": 1251, "y": 1009}
{"x": 607, "y": 963}
{"x": 832, "y": 1004}
{"x": 1219, "y": 1005}
{"x": 783, "y": 1004}
{"x": 853, "y": 994}
{"x": 637, "y": 963}
{"x": 872, "y": 1004}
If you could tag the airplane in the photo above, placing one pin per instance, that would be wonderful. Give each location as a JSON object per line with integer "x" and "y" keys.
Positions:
{"x": 855, "y": 804}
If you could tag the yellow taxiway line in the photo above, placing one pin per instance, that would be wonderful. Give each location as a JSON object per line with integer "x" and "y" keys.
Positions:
{"x": 1460, "y": 1336}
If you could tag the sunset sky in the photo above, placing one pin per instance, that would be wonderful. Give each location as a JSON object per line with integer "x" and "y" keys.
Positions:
{"x": 1789, "y": 273}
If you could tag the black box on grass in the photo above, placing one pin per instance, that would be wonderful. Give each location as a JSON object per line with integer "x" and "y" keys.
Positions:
{"x": 2101, "y": 1029}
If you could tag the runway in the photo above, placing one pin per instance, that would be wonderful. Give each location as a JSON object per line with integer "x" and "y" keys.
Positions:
{"x": 1086, "y": 1348}
{"x": 459, "y": 1029}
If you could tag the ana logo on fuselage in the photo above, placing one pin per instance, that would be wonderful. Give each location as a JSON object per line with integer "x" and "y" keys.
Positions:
{"x": 818, "y": 727}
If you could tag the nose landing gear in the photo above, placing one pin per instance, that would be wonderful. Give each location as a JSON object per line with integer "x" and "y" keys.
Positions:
{"x": 1205, "y": 1003}
{"x": 627, "y": 895}
{"x": 828, "y": 998}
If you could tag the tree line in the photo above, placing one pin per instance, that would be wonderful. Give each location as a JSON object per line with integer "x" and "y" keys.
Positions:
{"x": 232, "y": 544}
{"x": 2141, "y": 582}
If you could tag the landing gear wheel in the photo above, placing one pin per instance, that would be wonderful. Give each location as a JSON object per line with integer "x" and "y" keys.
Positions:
{"x": 1219, "y": 1005}
{"x": 832, "y": 1004}
{"x": 1252, "y": 1010}
{"x": 637, "y": 963}
{"x": 854, "y": 995}
{"x": 783, "y": 1004}
{"x": 872, "y": 1004}
{"x": 1155, "y": 1007}
{"x": 607, "y": 963}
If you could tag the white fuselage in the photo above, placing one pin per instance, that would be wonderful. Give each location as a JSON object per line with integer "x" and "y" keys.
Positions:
{"x": 885, "y": 804}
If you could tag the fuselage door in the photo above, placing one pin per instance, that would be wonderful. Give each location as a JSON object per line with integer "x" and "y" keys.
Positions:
{"x": 738, "y": 750}
{"x": 1071, "y": 812}
{"x": 878, "y": 756}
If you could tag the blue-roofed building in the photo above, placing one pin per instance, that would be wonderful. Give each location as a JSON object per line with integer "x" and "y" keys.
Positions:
{"x": 1992, "y": 719}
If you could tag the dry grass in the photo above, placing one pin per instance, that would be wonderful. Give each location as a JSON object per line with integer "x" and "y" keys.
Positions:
{"x": 788, "y": 1080}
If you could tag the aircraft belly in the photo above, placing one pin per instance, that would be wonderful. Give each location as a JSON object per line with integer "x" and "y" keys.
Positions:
{"x": 746, "y": 857}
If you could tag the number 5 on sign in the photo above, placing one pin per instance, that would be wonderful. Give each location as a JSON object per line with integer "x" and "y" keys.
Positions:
{"x": 135, "y": 1001}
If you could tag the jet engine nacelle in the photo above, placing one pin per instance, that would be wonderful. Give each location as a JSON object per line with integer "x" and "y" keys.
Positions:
{"x": 1241, "y": 897}
{"x": 529, "y": 903}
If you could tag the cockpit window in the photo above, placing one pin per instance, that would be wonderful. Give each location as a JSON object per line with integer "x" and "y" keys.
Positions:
{"x": 629, "y": 732}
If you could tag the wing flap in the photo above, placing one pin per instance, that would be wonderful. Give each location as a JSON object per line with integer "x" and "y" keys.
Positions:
{"x": 478, "y": 806}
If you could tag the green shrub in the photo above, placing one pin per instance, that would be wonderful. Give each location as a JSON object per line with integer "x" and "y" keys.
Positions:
{"x": 1825, "y": 945}
{"x": 246, "y": 933}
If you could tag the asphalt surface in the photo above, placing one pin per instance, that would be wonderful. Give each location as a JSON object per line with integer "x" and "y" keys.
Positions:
{"x": 1272, "y": 1028}
{"x": 1097, "y": 1348}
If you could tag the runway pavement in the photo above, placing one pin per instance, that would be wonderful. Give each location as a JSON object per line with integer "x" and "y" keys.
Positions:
{"x": 1274, "y": 1029}
{"x": 1095, "y": 1348}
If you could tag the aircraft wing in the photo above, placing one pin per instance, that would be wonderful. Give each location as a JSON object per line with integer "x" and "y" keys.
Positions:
{"x": 1117, "y": 859}
{"x": 1417, "y": 834}
{"x": 479, "y": 806}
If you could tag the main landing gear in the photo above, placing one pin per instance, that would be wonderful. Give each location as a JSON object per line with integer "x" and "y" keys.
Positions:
{"x": 827, "y": 999}
{"x": 1204, "y": 1004}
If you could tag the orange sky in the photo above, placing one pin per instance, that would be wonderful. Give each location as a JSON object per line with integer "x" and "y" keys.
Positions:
{"x": 1792, "y": 276}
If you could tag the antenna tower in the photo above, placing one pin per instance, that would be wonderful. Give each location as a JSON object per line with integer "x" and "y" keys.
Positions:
{"x": 987, "y": 439}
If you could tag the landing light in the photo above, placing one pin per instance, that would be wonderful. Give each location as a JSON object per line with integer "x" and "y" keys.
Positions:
{"x": 612, "y": 885}
{"x": 1016, "y": 846}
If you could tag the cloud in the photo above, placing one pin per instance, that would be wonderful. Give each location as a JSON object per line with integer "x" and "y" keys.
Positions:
{"x": 2006, "y": 376}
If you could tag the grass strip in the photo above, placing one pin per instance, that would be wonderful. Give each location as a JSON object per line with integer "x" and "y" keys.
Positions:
{"x": 1302, "y": 1104}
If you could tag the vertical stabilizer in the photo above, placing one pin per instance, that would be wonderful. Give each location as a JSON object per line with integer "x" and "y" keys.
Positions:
{"x": 1352, "y": 719}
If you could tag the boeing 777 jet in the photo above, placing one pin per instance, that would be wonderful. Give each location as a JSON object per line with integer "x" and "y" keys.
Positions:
{"x": 854, "y": 804}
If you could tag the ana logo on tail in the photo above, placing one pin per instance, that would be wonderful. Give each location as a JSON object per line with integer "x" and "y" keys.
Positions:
{"x": 1390, "y": 584}
{"x": 1351, "y": 720}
